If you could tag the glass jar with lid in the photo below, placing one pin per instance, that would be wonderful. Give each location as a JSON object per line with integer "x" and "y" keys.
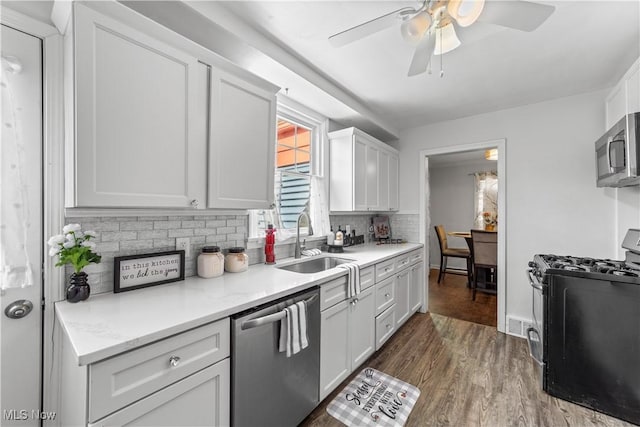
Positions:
{"x": 210, "y": 262}
{"x": 236, "y": 260}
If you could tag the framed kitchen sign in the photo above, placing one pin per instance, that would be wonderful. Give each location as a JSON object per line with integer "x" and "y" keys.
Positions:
{"x": 140, "y": 271}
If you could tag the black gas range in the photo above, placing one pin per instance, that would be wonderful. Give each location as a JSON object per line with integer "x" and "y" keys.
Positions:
{"x": 586, "y": 329}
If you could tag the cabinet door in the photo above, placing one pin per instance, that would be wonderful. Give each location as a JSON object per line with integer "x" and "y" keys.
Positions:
{"x": 633, "y": 90}
{"x": 360, "y": 175}
{"x": 362, "y": 327}
{"x": 202, "y": 399}
{"x": 383, "y": 181}
{"x": 140, "y": 119}
{"x": 372, "y": 187}
{"x": 416, "y": 287}
{"x": 241, "y": 143}
{"x": 615, "y": 105}
{"x": 393, "y": 182}
{"x": 402, "y": 297}
{"x": 335, "y": 360}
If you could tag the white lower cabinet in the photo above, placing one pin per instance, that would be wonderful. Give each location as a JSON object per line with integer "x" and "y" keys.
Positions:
{"x": 202, "y": 399}
{"x": 347, "y": 338}
{"x": 403, "y": 305}
{"x": 385, "y": 326}
{"x": 416, "y": 286}
{"x": 180, "y": 380}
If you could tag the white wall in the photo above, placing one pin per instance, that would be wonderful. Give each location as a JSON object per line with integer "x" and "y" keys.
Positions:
{"x": 452, "y": 190}
{"x": 552, "y": 203}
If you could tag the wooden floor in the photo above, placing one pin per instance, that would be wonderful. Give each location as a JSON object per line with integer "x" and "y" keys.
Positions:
{"x": 451, "y": 297}
{"x": 469, "y": 375}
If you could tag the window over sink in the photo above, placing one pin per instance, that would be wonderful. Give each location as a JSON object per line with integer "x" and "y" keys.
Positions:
{"x": 301, "y": 136}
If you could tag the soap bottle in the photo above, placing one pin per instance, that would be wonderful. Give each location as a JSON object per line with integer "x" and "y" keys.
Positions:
{"x": 269, "y": 245}
{"x": 331, "y": 237}
{"x": 339, "y": 237}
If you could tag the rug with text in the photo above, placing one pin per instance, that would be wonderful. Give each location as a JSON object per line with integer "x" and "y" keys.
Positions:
{"x": 374, "y": 398}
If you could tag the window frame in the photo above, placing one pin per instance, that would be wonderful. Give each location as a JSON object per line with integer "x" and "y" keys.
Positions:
{"x": 296, "y": 113}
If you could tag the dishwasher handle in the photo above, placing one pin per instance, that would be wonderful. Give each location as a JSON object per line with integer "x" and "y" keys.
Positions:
{"x": 270, "y": 318}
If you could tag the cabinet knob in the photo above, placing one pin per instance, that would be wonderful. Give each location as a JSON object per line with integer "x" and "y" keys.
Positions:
{"x": 194, "y": 203}
{"x": 386, "y": 270}
{"x": 174, "y": 361}
{"x": 387, "y": 295}
{"x": 388, "y": 326}
{"x": 354, "y": 301}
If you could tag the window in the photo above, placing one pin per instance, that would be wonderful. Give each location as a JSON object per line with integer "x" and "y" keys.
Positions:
{"x": 486, "y": 199}
{"x": 299, "y": 165}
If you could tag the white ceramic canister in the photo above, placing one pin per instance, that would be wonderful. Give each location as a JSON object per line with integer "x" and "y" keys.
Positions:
{"x": 210, "y": 262}
{"x": 236, "y": 260}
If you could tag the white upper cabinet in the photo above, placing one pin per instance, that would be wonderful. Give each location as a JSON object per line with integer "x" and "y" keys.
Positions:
{"x": 363, "y": 173}
{"x": 242, "y": 143}
{"x": 624, "y": 98}
{"x": 140, "y": 118}
{"x": 157, "y": 121}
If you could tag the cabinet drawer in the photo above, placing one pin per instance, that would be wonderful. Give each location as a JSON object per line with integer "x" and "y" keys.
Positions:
{"x": 415, "y": 256}
{"x": 385, "y": 326}
{"x": 385, "y": 295}
{"x": 333, "y": 292}
{"x": 402, "y": 261}
{"x": 120, "y": 380}
{"x": 385, "y": 269}
{"x": 367, "y": 277}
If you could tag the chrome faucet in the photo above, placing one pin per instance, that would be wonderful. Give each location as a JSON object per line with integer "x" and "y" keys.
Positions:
{"x": 298, "y": 252}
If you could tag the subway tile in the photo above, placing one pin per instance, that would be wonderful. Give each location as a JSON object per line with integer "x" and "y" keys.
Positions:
{"x": 166, "y": 225}
{"x": 112, "y": 236}
{"x": 192, "y": 224}
{"x": 136, "y": 225}
{"x": 164, "y": 243}
{"x": 136, "y": 244}
{"x": 204, "y": 231}
{"x": 181, "y": 232}
{"x": 152, "y": 234}
{"x": 216, "y": 223}
{"x": 102, "y": 247}
{"x": 225, "y": 230}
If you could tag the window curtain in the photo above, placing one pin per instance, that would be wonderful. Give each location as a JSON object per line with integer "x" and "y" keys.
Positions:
{"x": 486, "y": 199}
{"x": 15, "y": 266}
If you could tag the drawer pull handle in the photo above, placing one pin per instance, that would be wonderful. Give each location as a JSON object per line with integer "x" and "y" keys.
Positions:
{"x": 174, "y": 361}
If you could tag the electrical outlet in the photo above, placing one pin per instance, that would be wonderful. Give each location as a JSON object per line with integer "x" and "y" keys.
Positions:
{"x": 182, "y": 243}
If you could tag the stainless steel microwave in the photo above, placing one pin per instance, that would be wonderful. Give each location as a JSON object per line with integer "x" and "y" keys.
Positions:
{"x": 617, "y": 153}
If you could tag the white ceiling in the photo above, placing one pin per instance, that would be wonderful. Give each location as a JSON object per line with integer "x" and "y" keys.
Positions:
{"x": 583, "y": 46}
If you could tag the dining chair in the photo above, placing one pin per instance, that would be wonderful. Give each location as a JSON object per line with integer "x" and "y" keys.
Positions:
{"x": 446, "y": 252}
{"x": 485, "y": 259}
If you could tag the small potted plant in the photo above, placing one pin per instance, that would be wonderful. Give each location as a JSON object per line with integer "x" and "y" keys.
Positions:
{"x": 75, "y": 247}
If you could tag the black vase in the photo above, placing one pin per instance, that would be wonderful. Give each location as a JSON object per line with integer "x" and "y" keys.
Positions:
{"x": 78, "y": 289}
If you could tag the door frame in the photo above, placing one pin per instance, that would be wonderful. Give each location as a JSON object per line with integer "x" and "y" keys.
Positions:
{"x": 53, "y": 184}
{"x": 425, "y": 220}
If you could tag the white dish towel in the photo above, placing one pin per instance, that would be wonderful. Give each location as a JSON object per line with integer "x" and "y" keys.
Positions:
{"x": 353, "y": 280}
{"x": 293, "y": 329}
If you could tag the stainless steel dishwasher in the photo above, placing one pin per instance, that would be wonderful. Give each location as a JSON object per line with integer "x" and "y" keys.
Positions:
{"x": 268, "y": 388}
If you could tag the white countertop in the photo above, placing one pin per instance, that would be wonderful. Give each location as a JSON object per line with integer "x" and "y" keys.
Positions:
{"x": 108, "y": 324}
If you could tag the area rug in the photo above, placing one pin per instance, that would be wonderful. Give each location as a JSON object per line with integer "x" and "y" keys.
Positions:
{"x": 374, "y": 398}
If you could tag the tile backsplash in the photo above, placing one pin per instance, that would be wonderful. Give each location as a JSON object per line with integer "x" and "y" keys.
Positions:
{"x": 121, "y": 236}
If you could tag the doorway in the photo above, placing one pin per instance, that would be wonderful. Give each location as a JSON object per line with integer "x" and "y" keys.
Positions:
{"x": 443, "y": 163}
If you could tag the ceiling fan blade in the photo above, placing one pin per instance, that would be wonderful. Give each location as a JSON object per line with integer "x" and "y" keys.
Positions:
{"x": 368, "y": 28}
{"x": 422, "y": 55}
{"x": 520, "y": 15}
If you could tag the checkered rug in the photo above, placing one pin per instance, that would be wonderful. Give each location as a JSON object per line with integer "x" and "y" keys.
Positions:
{"x": 374, "y": 398}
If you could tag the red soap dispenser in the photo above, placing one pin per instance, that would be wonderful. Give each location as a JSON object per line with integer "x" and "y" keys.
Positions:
{"x": 269, "y": 245}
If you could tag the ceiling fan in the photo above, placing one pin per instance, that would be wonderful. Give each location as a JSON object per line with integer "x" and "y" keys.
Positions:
{"x": 431, "y": 26}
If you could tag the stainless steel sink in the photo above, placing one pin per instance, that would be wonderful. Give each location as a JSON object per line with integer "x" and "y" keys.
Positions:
{"x": 315, "y": 265}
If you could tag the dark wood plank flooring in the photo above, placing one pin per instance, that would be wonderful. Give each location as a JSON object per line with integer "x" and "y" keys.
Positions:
{"x": 469, "y": 375}
{"x": 451, "y": 297}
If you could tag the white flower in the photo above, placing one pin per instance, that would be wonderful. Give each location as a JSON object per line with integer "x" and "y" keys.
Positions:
{"x": 56, "y": 240}
{"x": 90, "y": 233}
{"x": 53, "y": 251}
{"x": 68, "y": 244}
{"x": 79, "y": 235}
{"x": 71, "y": 228}
{"x": 89, "y": 244}
{"x": 70, "y": 237}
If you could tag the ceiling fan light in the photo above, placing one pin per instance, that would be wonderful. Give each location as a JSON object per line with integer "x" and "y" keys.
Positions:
{"x": 491, "y": 154}
{"x": 465, "y": 12}
{"x": 446, "y": 39}
{"x": 414, "y": 28}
